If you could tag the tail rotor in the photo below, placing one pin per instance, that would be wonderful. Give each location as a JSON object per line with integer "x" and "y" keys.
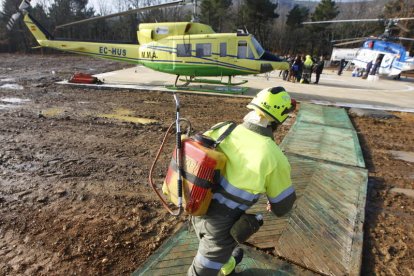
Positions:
{"x": 22, "y": 10}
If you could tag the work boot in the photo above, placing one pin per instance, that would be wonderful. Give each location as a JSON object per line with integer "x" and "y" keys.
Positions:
{"x": 238, "y": 254}
{"x": 230, "y": 267}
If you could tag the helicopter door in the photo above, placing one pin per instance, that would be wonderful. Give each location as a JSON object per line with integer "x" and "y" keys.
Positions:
{"x": 386, "y": 64}
{"x": 224, "y": 56}
{"x": 204, "y": 53}
{"x": 242, "y": 49}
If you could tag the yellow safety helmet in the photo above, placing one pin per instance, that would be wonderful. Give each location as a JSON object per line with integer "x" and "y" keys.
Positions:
{"x": 275, "y": 102}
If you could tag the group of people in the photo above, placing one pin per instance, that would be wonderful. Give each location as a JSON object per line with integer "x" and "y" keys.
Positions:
{"x": 301, "y": 69}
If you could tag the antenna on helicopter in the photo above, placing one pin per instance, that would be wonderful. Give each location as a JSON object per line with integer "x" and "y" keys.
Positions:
{"x": 243, "y": 31}
{"x": 194, "y": 16}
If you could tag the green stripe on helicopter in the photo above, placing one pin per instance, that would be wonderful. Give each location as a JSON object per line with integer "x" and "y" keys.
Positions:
{"x": 180, "y": 67}
{"x": 186, "y": 69}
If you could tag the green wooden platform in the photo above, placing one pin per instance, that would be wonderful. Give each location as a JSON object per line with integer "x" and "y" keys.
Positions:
{"x": 323, "y": 234}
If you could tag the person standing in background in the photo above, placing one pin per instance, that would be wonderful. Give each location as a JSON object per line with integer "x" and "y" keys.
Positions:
{"x": 367, "y": 70}
{"x": 318, "y": 69}
{"x": 341, "y": 67}
{"x": 297, "y": 69}
{"x": 307, "y": 70}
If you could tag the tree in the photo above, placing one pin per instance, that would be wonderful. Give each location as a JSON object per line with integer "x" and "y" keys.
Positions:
{"x": 357, "y": 10}
{"x": 66, "y": 11}
{"x": 215, "y": 13}
{"x": 19, "y": 38}
{"x": 258, "y": 16}
{"x": 320, "y": 35}
{"x": 326, "y": 10}
{"x": 398, "y": 9}
{"x": 296, "y": 16}
{"x": 296, "y": 35}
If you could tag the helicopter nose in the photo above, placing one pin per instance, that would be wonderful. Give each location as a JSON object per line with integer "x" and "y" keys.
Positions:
{"x": 270, "y": 66}
{"x": 272, "y": 62}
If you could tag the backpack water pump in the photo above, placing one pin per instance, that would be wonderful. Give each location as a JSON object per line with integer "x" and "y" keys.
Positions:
{"x": 194, "y": 170}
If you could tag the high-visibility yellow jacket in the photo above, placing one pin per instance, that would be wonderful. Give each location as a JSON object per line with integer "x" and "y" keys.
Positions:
{"x": 255, "y": 165}
{"x": 308, "y": 63}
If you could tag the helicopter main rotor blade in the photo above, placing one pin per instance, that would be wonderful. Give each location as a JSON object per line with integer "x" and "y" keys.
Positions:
{"x": 347, "y": 39}
{"x": 341, "y": 21}
{"x": 406, "y": 38}
{"x": 396, "y": 20}
{"x": 349, "y": 42}
{"x": 404, "y": 18}
{"x": 165, "y": 5}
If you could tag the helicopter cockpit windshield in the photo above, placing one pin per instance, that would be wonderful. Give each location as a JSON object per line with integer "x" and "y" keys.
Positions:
{"x": 259, "y": 49}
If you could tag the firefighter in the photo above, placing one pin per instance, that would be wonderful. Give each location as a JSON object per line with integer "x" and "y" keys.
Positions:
{"x": 255, "y": 165}
{"x": 307, "y": 70}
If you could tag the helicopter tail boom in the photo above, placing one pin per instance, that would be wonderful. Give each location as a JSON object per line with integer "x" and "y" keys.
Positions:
{"x": 37, "y": 30}
{"x": 121, "y": 52}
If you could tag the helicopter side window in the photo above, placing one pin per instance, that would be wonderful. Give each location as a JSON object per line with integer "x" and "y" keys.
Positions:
{"x": 259, "y": 49}
{"x": 183, "y": 50}
{"x": 223, "y": 49}
{"x": 251, "y": 55}
{"x": 203, "y": 50}
{"x": 242, "y": 49}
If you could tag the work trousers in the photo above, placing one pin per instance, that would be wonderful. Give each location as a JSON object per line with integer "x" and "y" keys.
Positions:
{"x": 318, "y": 75}
{"x": 216, "y": 244}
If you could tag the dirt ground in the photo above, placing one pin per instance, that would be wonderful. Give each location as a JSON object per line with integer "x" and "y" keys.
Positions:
{"x": 74, "y": 194}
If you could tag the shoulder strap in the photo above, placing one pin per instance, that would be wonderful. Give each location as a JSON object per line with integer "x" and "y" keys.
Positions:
{"x": 225, "y": 133}
{"x": 220, "y": 125}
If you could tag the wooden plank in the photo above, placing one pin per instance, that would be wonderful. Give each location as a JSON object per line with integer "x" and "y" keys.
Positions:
{"x": 328, "y": 211}
{"x": 254, "y": 263}
{"x": 258, "y": 241}
{"x": 317, "y": 232}
{"x": 182, "y": 254}
{"x": 324, "y": 115}
{"x": 181, "y": 270}
{"x": 320, "y": 210}
{"x": 313, "y": 255}
{"x": 324, "y": 142}
{"x": 273, "y": 225}
{"x": 357, "y": 241}
{"x": 174, "y": 262}
{"x": 333, "y": 231}
{"x": 327, "y": 216}
{"x": 320, "y": 242}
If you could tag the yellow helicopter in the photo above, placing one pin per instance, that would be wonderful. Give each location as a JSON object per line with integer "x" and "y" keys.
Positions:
{"x": 181, "y": 48}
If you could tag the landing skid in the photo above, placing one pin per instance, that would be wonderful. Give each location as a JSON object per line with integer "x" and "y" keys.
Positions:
{"x": 208, "y": 81}
{"x": 228, "y": 88}
{"x": 224, "y": 89}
